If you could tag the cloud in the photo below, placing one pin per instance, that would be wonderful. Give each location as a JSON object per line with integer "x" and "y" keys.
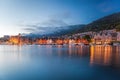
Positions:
{"x": 57, "y": 20}
{"x": 54, "y": 23}
{"x": 29, "y": 29}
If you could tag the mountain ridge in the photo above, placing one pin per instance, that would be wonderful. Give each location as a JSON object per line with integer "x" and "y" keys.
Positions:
{"x": 104, "y": 23}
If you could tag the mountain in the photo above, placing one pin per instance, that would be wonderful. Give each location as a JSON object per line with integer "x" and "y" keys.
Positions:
{"x": 58, "y": 31}
{"x": 70, "y": 30}
{"x": 105, "y": 23}
{"x": 108, "y": 22}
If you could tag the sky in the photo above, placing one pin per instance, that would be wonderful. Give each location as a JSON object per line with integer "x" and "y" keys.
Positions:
{"x": 40, "y": 16}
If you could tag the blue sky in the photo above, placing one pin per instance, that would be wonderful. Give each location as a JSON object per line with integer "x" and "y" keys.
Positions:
{"x": 25, "y": 16}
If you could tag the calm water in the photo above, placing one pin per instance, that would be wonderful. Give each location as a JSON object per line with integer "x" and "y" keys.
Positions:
{"x": 46, "y": 62}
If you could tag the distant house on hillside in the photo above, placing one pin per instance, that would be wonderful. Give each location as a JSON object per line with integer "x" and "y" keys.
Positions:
{"x": 118, "y": 36}
{"x": 114, "y": 36}
{"x": 105, "y": 37}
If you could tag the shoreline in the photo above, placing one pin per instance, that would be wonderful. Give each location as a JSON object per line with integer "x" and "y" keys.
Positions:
{"x": 58, "y": 45}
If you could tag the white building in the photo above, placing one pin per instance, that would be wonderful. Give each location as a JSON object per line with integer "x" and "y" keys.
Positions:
{"x": 49, "y": 41}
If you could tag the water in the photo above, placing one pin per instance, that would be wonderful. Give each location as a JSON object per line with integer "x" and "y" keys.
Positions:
{"x": 47, "y": 62}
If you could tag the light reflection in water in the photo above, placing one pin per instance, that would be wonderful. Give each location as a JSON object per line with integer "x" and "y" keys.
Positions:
{"x": 78, "y": 50}
{"x": 101, "y": 55}
{"x": 71, "y": 50}
{"x": 53, "y": 62}
{"x": 105, "y": 55}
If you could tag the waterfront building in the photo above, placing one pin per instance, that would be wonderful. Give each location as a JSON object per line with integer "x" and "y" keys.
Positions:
{"x": 49, "y": 41}
{"x": 15, "y": 39}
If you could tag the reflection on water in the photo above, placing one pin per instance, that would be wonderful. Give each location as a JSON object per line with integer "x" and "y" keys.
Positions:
{"x": 102, "y": 55}
{"x": 78, "y": 50}
{"x": 58, "y": 62}
{"x": 105, "y": 55}
{"x": 71, "y": 51}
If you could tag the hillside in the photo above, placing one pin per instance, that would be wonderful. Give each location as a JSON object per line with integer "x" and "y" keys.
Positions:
{"x": 107, "y": 22}
{"x": 70, "y": 30}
